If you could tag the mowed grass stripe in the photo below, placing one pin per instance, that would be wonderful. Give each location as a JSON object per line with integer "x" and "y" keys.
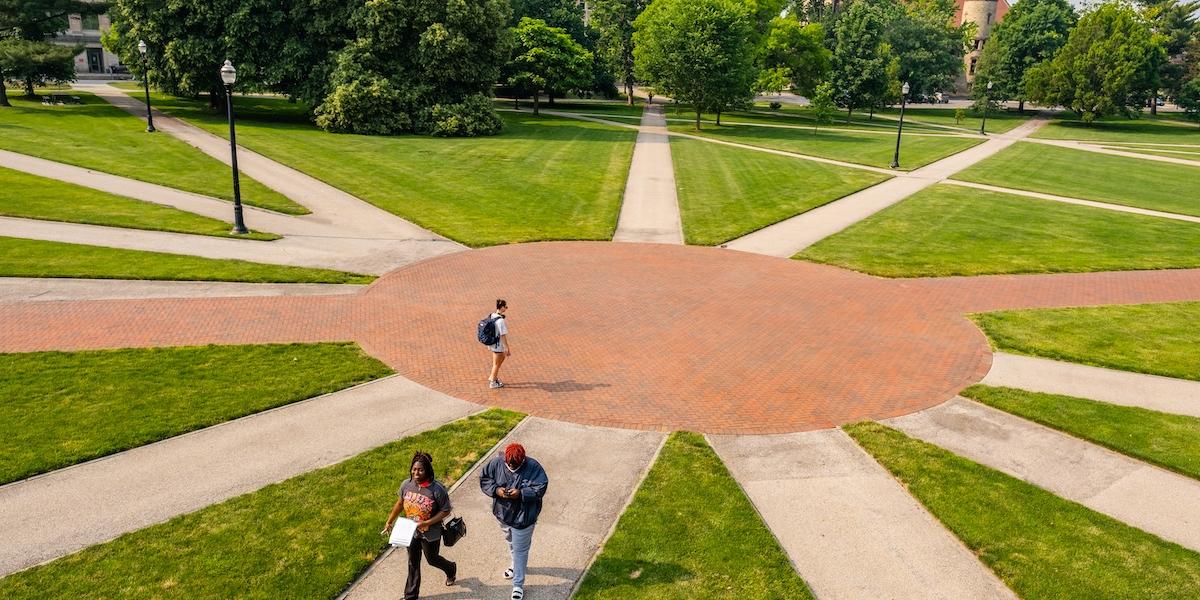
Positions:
{"x": 1159, "y": 339}
{"x": 306, "y": 537}
{"x": 727, "y": 192}
{"x": 1164, "y": 128}
{"x": 950, "y": 230}
{"x": 62, "y": 408}
{"x": 690, "y": 533}
{"x": 541, "y": 178}
{"x": 119, "y": 145}
{"x": 1039, "y": 544}
{"x": 1091, "y": 176}
{"x": 1169, "y": 441}
{"x": 36, "y": 258}
{"x": 32, "y": 197}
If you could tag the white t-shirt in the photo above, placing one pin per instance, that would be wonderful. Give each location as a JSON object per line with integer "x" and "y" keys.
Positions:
{"x": 501, "y": 329}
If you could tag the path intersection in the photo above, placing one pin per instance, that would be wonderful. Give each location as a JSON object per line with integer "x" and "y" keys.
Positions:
{"x": 615, "y": 344}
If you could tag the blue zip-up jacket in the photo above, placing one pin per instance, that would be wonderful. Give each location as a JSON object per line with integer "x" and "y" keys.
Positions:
{"x": 530, "y": 479}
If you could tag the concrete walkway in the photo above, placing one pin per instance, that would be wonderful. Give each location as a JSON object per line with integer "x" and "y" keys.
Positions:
{"x": 46, "y": 289}
{"x": 650, "y": 209}
{"x": 593, "y": 473}
{"x": 58, "y": 513}
{"x": 786, "y": 238}
{"x": 1078, "y": 201}
{"x": 358, "y": 255}
{"x": 1142, "y": 495}
{"x": 328, "y": 204}
{"x": 851, "y": 530}
{"x": 1164, "y": 394}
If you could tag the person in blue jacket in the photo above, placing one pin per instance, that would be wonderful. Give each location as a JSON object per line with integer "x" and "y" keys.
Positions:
{"x": 516, "y": 484}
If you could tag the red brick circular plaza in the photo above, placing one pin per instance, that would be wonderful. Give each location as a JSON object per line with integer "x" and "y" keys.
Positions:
{"x": 632, "y": 335}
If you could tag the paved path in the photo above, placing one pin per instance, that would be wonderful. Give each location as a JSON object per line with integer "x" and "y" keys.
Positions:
{"x": 1080, "y": 202}
{"x": 851, "y": 530}
{"x": 328, "y": 204}
{"x": 790, "y": 236}
{"x": 358, "y": 255}
{"x": 66, "y": 510}
{"x": 1128, "y": 490}
{"x": 650, "y": 210}
{"x": 44, "y": 289}
{"x": 1164, "y": 394}
{"x": 593, "y": 474}
{"x": 599, "y": 327}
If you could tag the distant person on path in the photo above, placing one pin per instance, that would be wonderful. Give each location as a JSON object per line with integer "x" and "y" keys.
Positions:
{"x": 516, "y": 485}
{"x": 500, "y": 350}
{"x": 426, "y": 501}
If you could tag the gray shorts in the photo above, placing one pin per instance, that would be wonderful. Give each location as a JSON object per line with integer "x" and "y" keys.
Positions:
{"x": 497, "y": 347}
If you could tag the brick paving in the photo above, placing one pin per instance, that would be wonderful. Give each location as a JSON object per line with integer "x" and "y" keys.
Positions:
{"x": 642, "y": 336}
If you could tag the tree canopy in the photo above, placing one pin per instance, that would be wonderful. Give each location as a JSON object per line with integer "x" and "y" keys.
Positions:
{"x": 613, "y": 20}
{"x": 697, "y": 51}
{"x": 35, "y": 20}
{"x": 927, "y": 44}
{"x": 793, "y": 54}
{"x": 1108, "y": 66}
{"x": 860, "y": 58}
{"x": 546, "y": 58}
{"x": 1031, "y": 33}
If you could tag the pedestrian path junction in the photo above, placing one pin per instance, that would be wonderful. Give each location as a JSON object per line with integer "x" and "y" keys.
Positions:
{"x": 617, "y": 344}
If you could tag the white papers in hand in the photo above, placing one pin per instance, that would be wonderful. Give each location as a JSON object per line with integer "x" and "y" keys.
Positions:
{"x": 403, "y": 532}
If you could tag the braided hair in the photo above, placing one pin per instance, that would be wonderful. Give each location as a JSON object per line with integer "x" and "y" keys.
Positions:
{"x": 426, "y": 461}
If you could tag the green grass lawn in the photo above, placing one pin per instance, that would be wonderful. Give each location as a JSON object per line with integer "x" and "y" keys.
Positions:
{"x": 63, "y": 408}
{"x": 691, "y": 533}
{"x": 1160, "y": 339}
{"x": 924, "y": 118}
{"x": 1183, "y": 153}
{"x": 542, "y": 178}
{"x": 306, "y": 537}
{"x": 616, "y": 109}
{"x": 951, "y": 230}
{"x": 1169, "y": 441}
{"x": 728, "y": 192}
{"x": 1091, "y": 176}
{"x": 831, "y": 142}
{"x": 99, "y": 136}
{"x": 35, "y": 258}
{"x": 1040, "y": 545}
{"x": 1165, "y": 128}
{"x": 33, "y": 197}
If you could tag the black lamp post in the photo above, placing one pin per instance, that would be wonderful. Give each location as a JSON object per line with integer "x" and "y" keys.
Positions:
{"x": 229, "y": 76}
{"x": 146, "y": 85}
{"x": 986, "y": 102}
{"x": 903, "y": 101}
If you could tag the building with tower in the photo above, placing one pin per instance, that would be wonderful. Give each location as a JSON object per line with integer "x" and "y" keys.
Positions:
{"x": 985, "y": 14}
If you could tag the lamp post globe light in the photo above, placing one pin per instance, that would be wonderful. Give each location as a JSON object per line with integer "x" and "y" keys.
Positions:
{"x": 146, "y": 85}
{"x": 229, "y": 77}
{"x": 903, "y": 100}
{"x": 986, "y": 101}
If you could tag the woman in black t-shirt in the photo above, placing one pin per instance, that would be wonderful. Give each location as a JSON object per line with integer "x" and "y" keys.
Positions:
{"x": 426, "y": 501}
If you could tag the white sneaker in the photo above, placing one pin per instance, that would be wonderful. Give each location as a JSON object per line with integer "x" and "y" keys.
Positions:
{"x": 518, "y": 593}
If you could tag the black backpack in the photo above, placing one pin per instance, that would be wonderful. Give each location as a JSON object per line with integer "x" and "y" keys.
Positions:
{"x": 486, "y": 331}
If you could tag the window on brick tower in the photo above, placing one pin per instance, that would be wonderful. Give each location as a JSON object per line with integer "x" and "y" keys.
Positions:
{"x": 972, "y": 69}
{"x": 91, "y": 22}
{"x": 989, "y": 19}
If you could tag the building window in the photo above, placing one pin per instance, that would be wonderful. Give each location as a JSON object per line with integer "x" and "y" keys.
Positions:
{"x": 989, "y": 19}
{"x": 91, "y": 22}
{"x": 972, "y": 70}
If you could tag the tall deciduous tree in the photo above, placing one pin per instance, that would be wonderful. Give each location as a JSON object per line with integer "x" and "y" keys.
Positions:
{"x": 1175, "y": 23}
{"x": 1108, "y": 66}
{"x": 613, "y": 19}
{"x": 860, "y": 58}
{"x": 546, "y": 58}
{"x": 822, "y": 104}
{"x": 927, "y": 44}
{"x": 1189, "y": 99}
{"x": 697, "y": 51}
{"x": 793, "y": 54}
{"x": 33, "y": 64}
{"x": 1032, "y": 32}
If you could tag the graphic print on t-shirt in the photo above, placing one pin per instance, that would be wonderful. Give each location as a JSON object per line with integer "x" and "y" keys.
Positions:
{"x": 417, "y": 507}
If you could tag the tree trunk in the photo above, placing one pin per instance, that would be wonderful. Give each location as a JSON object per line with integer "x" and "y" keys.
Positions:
{"x": 871, "y": 117}
{"x": 3, "y": 94}
{"x": 550, "y": 97}
{"x": 535, "y": 103}
{"x": 718, "y": 117}
{"x": 29, "y": 87}
{"x": 516, "y": 102}
{"x": 849, "y": 111}
{"x": 697, "y": 117}
{"x": 629, "y": 92}
{"x": 1021, "y": 106}
{"x": 1154, "y": 105}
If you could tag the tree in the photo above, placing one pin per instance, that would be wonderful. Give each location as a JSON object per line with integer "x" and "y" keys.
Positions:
{"x": 822, "y": 104}
{"x": 546, "y": 58}
{"x": 34, "y": 64}
{"x": 1189, "y": 99}
{"x": 1031, "y": 33}
{"x": 563, "y": 14}
{"x": 1108, "y": 66}
{"x": 613, "y": 20}
{"x": 794, "y": 55}
{"x": 697, "y": 51}
{"x": 1175, "y": 23}
{"x": 424, "y": 67}
{"x": 860, "y": 58}
{"x": 928, "y": 46}
{"x": 36, "y": 20}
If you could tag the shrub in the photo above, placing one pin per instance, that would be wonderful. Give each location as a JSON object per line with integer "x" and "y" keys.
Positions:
{"x": 471, "y": 117}
{"x": 369, "y": 105}
{"x": 776, "y": 105}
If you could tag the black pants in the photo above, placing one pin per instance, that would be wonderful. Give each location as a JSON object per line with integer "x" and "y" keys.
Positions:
{"x": 412, "y": 588}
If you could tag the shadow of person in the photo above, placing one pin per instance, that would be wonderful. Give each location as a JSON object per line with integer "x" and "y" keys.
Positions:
{"x": 555, "y": 387}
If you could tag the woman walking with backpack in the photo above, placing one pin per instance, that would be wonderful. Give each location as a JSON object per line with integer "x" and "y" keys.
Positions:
{"x": 500, "y": 349}
{"x": 426, "y": 501}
